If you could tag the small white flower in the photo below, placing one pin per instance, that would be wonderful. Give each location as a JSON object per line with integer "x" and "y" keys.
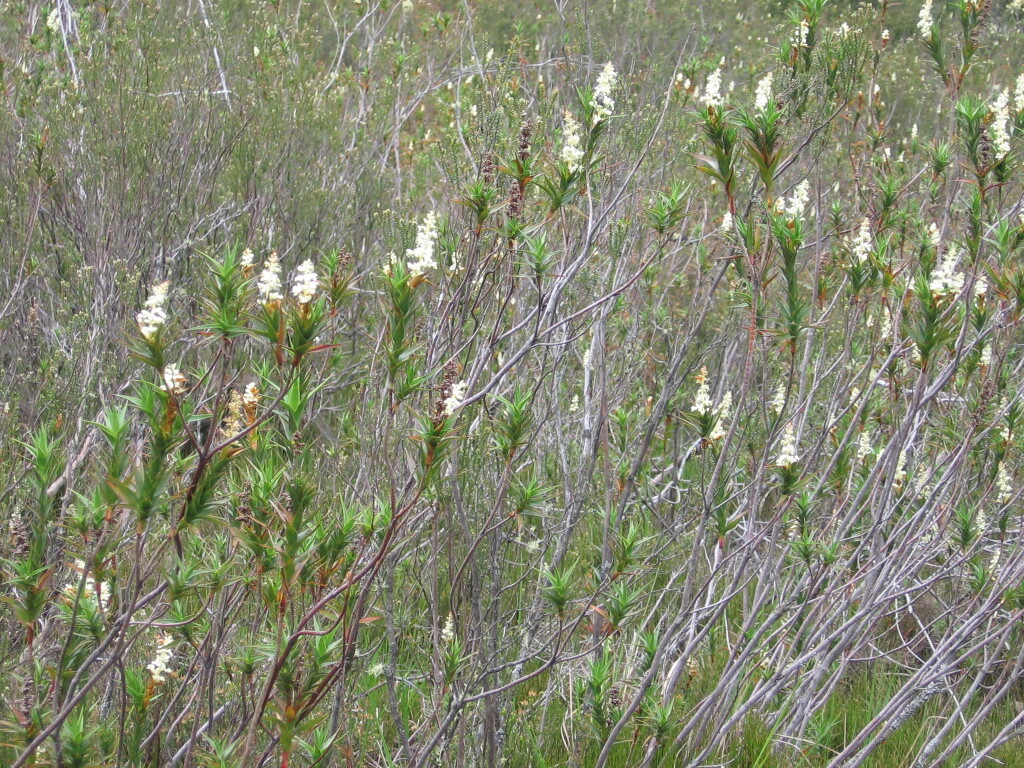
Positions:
{"x": 764, "y": 92}
{"x": 787, "y": 455}
{"x": 248, "y": 258}
{"x": 604, "y": 104}
{"x": 1000, "y": 123}
{"x": 922, "y": 489}
{"x": 862, "y": 244}
{"x": 713, "y": 89}
{"x": 305, "y": 284}
{"x": 702, "y": 401}
{"x": 153, "y": 315}
{"x": 89, "y": 589}
{"x": 251, "y": 395}
{"x": 572, "y": 152}
{"x": 269, "y": 283}
{"x": 796, "y": 204}
{"x": 779, "y": 400}
{"x": 173, "y": 381}
{"x": 723, "y": 411}
{"x": 454, "y": 400}
{"x": 421, "y": 256}
{"x": 53, "y": 20}
{"x": 946, "y": 279}
{"x": 1003, "y": 483}
{"x": 900, "y": 475}
{"x": 448, "y": 631}
{"x": 924, "y": 19}
{"x": 160, "y": 665}
{"x": 800, "y": 35}
{"x": 864, "y": 448}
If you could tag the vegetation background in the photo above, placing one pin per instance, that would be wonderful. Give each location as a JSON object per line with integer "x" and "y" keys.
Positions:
{"x": 619, "y": 383}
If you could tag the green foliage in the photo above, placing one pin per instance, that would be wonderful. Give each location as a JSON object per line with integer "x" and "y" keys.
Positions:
{"x": 387, "y": 384}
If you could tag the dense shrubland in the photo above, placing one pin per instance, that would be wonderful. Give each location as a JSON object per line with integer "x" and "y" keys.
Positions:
{"x": 611, "y": 383}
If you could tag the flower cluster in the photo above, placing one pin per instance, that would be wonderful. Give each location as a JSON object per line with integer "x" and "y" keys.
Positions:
{"x": 269, "y": 283}
{"x": 421, "y": 256}
{"x": 305, "y": 284}
{"x": 160, "y": 665}
{"x": 603, "y": 102}
{"x": 864, "y": 448}
{"x": 248, "y": 259}
{"x": 985, "y": 359}
{"x": 787, "y": 455}
{"x": 861, "y": 245}
{"x": 778, "y": 403}
{"x": 702, "y": 401}
{"x": 1003, "y": 483}
{"x": 764, "y": 93}
{"x": 89, "y": 591}
{"x": 153, "y": 315}
{"x": 713, "y": 89}
{"x": 53, "y": 20}
{"x": 800, "y": 35}
{"x": 899, "y": 477}
{"x": 797, "y": 203}
{"x": 173, "y": 381}
{"x": 924, "y": 19}
{"x": 1000, "y": 123}
{"x": 448, "y": 631}
{"x": 454, "y": 400}
{"x": 250, "y": 399}
{"x": 233, "y": 420}
{"x": 723, "y": 413}
{"x": 572, "y": 152}
{"x": 946, "y": 279}
{"x": 703, "y": 406}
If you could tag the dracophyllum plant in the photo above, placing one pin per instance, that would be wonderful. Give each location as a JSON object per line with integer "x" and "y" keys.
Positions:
{"x": 722, "y": 137}
{"x": 579, "y": 144}
{"x": 763, "y": 125}
{"x": 173, "y": 464}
